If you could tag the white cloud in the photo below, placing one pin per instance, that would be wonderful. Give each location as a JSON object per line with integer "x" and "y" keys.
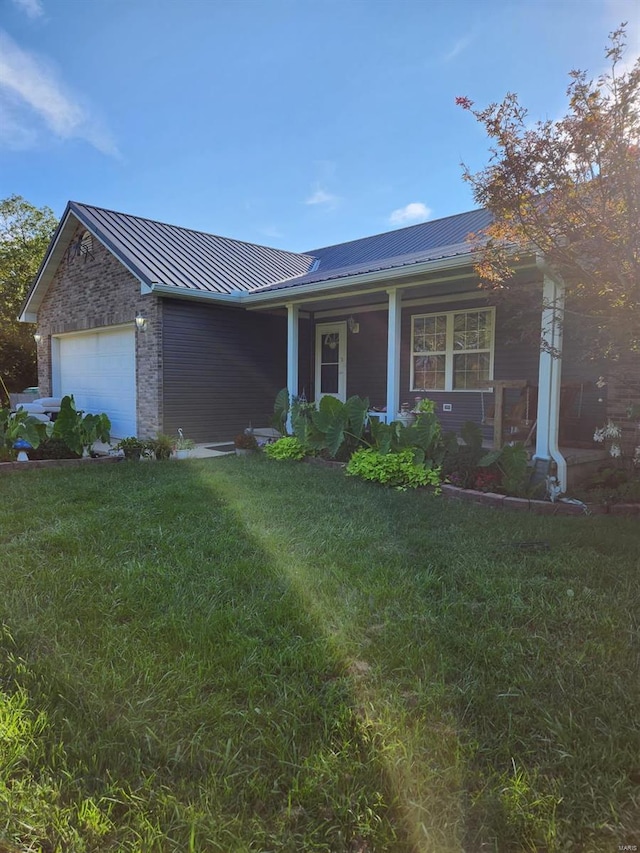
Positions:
{"x": 416, "y": 211}
{"x": 32, "y": 8}
{"x": 31, "y": 95}
{"x": 321, "y": 196}
{"x": 461, "y": 45}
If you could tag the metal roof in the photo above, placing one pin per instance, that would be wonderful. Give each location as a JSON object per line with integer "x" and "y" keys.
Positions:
{"x": 428, "y": 241}
{"x": 450, "y": 231}
{"x": 158, "y": 253}
{"x": 203, "y": 265}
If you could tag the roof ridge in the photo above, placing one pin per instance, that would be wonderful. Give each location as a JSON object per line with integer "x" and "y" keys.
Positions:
{"x": 396, "y": 230}
{"x": 183, "y": 228}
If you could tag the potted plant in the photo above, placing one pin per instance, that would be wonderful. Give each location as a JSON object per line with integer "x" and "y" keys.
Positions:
{"x": 245, "y": 444}
{"x": 161, "y": 446}
{"x": 132, "y": 447}
{"x": 183, "y": 446}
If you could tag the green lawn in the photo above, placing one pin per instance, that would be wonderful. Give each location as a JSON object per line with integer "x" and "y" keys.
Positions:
{"x": 244, "y": 655}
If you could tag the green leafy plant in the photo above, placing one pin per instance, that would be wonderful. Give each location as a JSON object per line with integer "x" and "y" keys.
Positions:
{"x": 287, "y": 447}
{"x": 334, "y": 426}
{"x": 161, "y": 446}
{"x": 424, "y": 438}
{"x": 338, "y": 427}
{"x": 20, "y": 425}
{"x": 512, "y": 461}
{"x": 80, "y": 431}
{"x": 281, "y": 408}
{"x": 460, "y": 464}
{"x": 398, "y": 469}
{"x": 425, "y": 406}
{"x": 132, "y": 447}
{"x": 182, "y": 443}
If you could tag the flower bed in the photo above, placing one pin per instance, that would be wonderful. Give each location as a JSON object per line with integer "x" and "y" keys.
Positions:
{"x": 491, "y": 499}
{"x": 8, "y": 467}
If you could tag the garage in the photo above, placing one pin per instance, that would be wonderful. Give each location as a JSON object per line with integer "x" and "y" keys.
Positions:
{"x": 99, "y": 369}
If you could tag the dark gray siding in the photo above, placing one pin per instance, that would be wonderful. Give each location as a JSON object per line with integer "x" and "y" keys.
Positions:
{"x": 222, "y": 369}
{"x": 367, "y": 358}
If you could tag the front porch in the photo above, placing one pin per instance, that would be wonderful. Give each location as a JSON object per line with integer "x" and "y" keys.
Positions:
{"x": 442, "y": 339}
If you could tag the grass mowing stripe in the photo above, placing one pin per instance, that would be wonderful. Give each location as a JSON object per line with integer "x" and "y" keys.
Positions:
{"x": 241, "y": 655}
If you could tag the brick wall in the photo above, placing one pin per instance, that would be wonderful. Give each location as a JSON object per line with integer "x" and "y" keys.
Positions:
{"x": 94, "y": 291}
{"x": 623, "y": 389}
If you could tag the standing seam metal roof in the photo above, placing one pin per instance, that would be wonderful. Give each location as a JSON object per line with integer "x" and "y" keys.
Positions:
{"x": 167, "y": 254}
{"x": 159, "y": 253}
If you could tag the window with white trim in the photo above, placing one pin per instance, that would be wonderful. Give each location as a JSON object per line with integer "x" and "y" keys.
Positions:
{"x": 452, "y": 351}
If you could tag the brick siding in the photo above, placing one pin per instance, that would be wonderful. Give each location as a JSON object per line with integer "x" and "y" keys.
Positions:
{"x": 623, "y": 390}
{"x": 96, "y": 291}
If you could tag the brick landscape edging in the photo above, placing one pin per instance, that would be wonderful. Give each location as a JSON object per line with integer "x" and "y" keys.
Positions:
{"x": 491, "y": 499}
{"x": 8, "y": 467}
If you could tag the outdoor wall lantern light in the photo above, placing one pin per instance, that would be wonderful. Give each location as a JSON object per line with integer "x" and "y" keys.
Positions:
{"x": 37, "y": 338}
{"x": 141, "y": 322}
{"x": 353, "y": 327}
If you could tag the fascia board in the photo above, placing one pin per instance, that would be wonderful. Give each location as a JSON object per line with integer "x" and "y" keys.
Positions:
{"x": 237, "y": 298}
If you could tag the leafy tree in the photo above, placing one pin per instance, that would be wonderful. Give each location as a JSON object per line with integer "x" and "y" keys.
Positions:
{"x": 570, "y": 190}
{"x": 25, "y": 232}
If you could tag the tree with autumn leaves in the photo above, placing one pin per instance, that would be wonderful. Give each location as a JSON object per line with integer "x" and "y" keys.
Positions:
{"x": 569, "y": 190}
{"x": 25, "y": 232}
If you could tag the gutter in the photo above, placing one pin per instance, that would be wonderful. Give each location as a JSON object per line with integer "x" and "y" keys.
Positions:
{"x": 237, "y": 298}
{"x": 288, "y": 294}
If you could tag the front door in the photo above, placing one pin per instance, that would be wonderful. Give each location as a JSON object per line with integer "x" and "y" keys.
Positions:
{"x": 331, "y": 361}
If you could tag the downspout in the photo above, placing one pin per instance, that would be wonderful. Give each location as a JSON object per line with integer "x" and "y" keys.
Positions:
{"x": 550, "y": 372}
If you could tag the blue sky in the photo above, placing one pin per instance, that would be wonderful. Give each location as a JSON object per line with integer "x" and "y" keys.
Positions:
{"x": 293, "y": 123}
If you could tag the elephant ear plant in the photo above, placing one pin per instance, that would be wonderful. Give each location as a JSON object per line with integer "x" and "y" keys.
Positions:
{"x": 79, "y": 431}
{"x": 334, "y": 426}
{"x": 20, "y": 425}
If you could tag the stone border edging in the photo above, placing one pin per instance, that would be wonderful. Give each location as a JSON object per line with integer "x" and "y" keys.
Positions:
{"x": 7, "y": 467}
{"x": 491, "y": 499}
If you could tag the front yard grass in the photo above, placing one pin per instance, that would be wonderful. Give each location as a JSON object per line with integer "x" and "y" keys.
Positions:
{"x": 244, "y": 655}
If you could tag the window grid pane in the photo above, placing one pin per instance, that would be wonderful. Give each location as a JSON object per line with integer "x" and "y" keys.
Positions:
{"x": 429, "y": 373}
{"x": 470, "y": 370}
{"x": 465, "y": 354}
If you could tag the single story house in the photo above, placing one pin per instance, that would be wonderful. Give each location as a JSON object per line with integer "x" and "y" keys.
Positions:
{"x": 165, "y": 327}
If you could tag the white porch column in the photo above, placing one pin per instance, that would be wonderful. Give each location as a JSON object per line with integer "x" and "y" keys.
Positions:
{"x": 292, "y": 354}
{"x": 393, "y": 353}
{"x": 549, "y": 377}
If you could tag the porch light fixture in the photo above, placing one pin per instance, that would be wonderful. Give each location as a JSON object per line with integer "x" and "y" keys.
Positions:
{"x": 141, "y": 322}
{"x": 353, "y": 327}
{"x": 37, "y": 338}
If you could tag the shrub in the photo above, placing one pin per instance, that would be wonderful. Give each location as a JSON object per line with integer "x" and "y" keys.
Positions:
{"x": 245, "y": 441}
{"x": 287, "y": 447}
{"x": 399, "y": 470}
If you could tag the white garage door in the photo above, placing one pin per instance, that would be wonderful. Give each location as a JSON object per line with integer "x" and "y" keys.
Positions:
{"x": 99, "y": 369}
